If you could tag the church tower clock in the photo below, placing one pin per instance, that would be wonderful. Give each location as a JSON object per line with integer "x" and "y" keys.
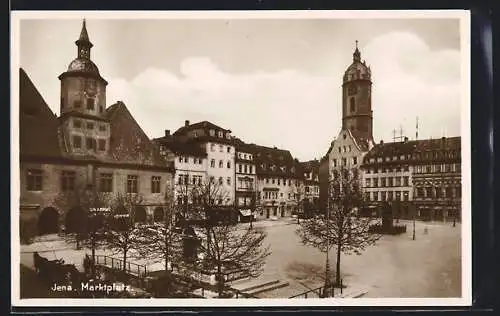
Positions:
{"x": 357, "y": 114}
{"x": 84, "y": 125}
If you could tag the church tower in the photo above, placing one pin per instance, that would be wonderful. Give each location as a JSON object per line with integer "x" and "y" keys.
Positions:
{"x": 357, "y": 114}
{"x": 84, "y": 126}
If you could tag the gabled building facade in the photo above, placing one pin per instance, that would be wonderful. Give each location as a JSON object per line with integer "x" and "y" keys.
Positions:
{"x": 89, "y": 147}
{"x": 279, "y": 181}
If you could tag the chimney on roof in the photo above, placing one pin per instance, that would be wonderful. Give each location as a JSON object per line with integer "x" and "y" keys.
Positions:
{"x": 167, "y": 132}
{"x": 186, "y": 123}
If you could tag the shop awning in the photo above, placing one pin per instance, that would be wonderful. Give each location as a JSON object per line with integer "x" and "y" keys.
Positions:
{"x": 246, "y": 212}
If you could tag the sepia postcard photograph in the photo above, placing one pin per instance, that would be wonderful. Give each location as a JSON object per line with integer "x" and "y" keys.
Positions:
{"x": 239, "y": 158}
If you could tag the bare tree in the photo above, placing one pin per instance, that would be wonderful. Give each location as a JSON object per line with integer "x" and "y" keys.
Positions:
{"x": 232, "y": 248}
{"x": 85, "y": 220}
{"x": 228, "y": 247}
{"x": 159, "y": 240}
{"x": 122, "y": 233}
{"x": 341, "y": 227}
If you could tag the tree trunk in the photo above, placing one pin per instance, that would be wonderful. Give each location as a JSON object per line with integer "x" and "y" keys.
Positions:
{"x": 220, "y": 281}
{"x": 124, "y": 260}
{"x": 92, "y": 267}
{"x": 337, "y": 274}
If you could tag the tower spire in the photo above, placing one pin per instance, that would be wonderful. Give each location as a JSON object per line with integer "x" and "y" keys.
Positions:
{"x": 84, "y": 36}
{"x": 83, "y": 43}
{"x": 356, "y": 55}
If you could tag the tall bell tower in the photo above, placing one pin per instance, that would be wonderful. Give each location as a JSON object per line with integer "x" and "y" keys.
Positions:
{"x": 357, "y": 114}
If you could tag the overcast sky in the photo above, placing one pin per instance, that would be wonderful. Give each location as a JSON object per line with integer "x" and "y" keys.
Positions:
{"x": 272, "y": 82}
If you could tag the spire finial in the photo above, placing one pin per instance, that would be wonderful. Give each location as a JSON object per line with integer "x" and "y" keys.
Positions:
{"x": 357, "y": 55}
{"x": 84, "y": 36}
{"x": 356, "y": 40}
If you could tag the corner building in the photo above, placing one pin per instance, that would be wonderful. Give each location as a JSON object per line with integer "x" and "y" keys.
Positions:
{"x": 420, "y": 178}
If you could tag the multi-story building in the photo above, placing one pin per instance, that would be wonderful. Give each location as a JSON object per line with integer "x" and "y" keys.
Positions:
{"x": 310, "y": 193}
{"x": 355, "y": 138}
{"x": 419, "y": 178}
{"x": 387, "y": 175}
{"x": 245, "y": 181}
{"x": 89, "y": 147}
{"x": 279, "y": 180}
{"x": 218, "y": 145}
{"x": 437, "y": 179}
{"x": 190, "y": 163}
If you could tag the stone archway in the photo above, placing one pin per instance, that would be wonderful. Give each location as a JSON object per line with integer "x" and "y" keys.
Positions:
{"x": 158, "y": 214}
{"x": 74, "y": 220}
{"x": 140, "y": 214}
{"x": 48, "y": 221}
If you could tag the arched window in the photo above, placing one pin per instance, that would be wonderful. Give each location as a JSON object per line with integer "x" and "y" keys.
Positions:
{"x": 352, "y": 104}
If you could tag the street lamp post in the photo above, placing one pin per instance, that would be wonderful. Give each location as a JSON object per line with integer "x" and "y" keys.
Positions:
{"x": 414, "y": 207}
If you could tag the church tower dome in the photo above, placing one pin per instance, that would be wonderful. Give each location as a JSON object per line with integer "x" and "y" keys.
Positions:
{"x": 357, "y": 114}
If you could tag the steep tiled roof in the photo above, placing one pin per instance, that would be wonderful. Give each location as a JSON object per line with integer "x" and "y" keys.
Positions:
{"x": 184, "y": 132}
{"x": 266, "y": 158}
{"x": 361, "y": 141}
{"x": 202, "y": 124}
{"x": 418, "y": 150}
{"x": 181, "y": 147}
{"x": 242, "y": 146}
{"x": 38, "y": 125}
{"x": 128, "y": 142}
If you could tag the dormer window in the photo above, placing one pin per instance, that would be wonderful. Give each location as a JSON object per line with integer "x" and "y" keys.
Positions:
{"x": 220, "y": 134}
{"x": 212, "y": 132}
{"x": 228, "y": 136}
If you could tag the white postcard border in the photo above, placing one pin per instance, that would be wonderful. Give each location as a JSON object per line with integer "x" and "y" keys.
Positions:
{"x": 466, "y": 252}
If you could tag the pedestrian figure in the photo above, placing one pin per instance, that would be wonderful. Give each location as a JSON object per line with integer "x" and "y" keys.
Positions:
{"x": 426, "y": 231}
